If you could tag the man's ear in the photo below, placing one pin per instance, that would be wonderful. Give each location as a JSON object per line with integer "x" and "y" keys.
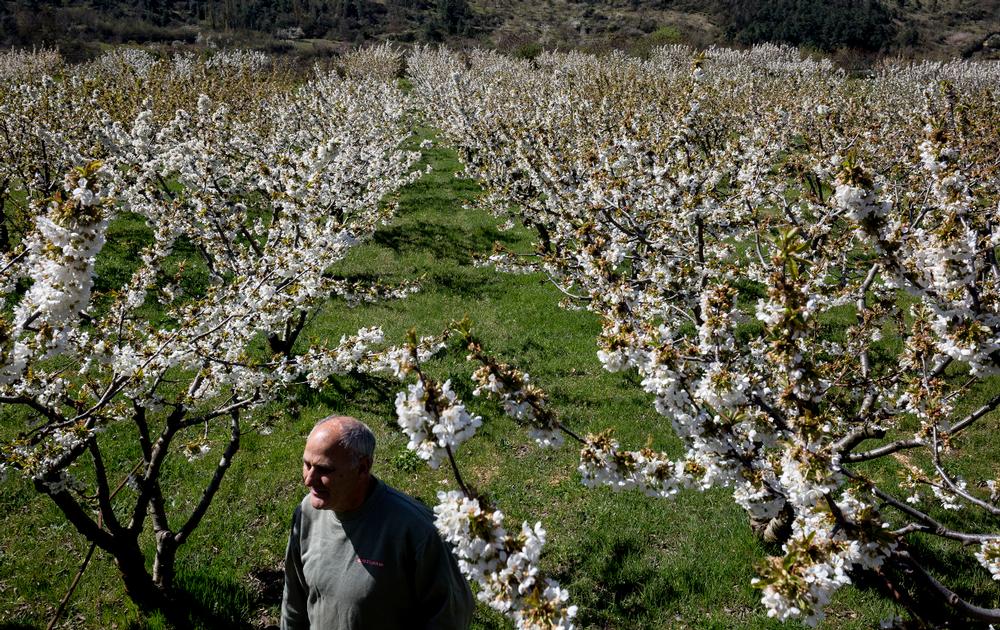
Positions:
{"x": 365, "y": 465}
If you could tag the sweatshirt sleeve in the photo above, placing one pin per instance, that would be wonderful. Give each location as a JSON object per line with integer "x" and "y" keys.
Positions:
{"x": 293, "y": 599}
{"x": 444, "y": 596}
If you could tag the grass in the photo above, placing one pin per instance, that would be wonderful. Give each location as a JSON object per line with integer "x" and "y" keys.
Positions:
{"x": 628, "y": 561}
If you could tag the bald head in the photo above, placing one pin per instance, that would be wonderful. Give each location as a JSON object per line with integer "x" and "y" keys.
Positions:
{"x": 348, "y": 433}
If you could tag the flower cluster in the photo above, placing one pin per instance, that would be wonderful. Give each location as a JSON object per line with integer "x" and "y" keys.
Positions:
{"x": 434, "y": 419}
{"x": 503, "y": 565}
{"x": 522, "y": 401}
{"x": 354, "y": 352}
{"x": 989, "y": 556}
{"x": 819, "y": 557}
{"x": 602, "y": 462}
{"x": 400, "y": 361}
{"x": 19, "y": 65}
{"x": 60, "y": 257}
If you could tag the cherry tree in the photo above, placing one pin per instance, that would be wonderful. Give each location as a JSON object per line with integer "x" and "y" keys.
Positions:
{"x": 799, "y": 265}
{"x": 266, "y": 193}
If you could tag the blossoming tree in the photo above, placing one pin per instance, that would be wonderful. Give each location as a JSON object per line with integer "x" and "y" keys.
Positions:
{"x": 799, "y": 265}
{"x": 264, "y": 193}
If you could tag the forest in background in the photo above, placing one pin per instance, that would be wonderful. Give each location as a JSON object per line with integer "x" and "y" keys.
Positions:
{"x": 852, "y": 30}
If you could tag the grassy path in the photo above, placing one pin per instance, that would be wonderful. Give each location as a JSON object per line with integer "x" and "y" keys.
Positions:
{"x": 628, "y": 561}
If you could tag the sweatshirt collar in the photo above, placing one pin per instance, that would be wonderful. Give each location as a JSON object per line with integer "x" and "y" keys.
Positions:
{"x": 374, "y": 494}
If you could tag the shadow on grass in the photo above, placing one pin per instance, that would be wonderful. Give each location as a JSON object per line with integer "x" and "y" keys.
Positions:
{"x": 624, "y": 584}
{"x": 429, "y": 189}
{"x": 468, "y": 284}
{"x": 206, "y": 602}
{"x": 963, "y": 573}
{"x": 444, "y": 242}
{"x": 366, "y": 392}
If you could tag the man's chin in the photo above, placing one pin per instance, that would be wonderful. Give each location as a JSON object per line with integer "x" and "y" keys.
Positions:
{"x": 318, "y": 502}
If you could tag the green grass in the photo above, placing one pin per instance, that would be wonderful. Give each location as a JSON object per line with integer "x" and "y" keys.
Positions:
{"x": 628, "y": 561}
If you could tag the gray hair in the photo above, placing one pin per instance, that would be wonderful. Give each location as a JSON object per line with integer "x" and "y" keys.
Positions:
{"x": 355, "y": 436}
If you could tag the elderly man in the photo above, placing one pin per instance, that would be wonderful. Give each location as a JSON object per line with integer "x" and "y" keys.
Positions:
{"x": 361, "y": 554}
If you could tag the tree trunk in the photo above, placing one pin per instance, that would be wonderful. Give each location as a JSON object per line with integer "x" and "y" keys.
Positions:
{"x": 138, "y": 582}
{"x": 155, "y": 592}
{"x": 774, "y": 531}
{"x": 283, "y": 344}
{"x": 163, "y": 563}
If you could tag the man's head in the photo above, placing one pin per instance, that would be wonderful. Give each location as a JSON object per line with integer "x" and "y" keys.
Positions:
{"x": 337, "y": 462}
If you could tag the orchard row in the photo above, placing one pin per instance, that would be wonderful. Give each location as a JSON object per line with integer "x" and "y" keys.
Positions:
{"x": 800, "y": 266}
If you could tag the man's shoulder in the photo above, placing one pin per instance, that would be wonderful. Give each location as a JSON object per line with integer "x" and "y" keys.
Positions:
{"x": 408, "y": 510}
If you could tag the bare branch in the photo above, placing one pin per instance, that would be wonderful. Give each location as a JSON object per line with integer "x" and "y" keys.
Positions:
{"x": 882, "y": 451}
{"x": 157, "y": 454}
{"x": 213, "y": 486}
{"x": 14, "y": 260}
{"x": 925, "y": 524}
{"x": 565, "y": 292}
{"x": 107, "y": 511}
{"x": 975, "y": 415}
{"x": 72, "y": 587}
{"x": 222, "y": 411}
{"x": 76, "y": 515}
{"x": 952, "y": 486}
{"x": 855, "y": 437}
{"x": 989, "y": 615}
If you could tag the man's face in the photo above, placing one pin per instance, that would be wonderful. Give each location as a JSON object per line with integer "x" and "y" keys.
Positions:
{"x": 328, "y": 470}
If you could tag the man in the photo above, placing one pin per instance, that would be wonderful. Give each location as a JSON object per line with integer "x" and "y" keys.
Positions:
{"x": 361, "y": 554}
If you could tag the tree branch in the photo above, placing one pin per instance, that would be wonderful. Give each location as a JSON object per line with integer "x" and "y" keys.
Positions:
{"x": 33, "y": 404}
{"x": 222, "y": 411}
{"x": 952, "y": 486}
{"x": 975, "y": 415}
{"x": 157, "y": 454}
{"x": 881, "y": 451}
{"x": 855, "y": 437}
{"x": 989, "y": 615}
{"x": 213, "y": 486}
{"x": 927, "y": 524}
{"x": 76, "y": 515}
{"x": 107, "y": 511}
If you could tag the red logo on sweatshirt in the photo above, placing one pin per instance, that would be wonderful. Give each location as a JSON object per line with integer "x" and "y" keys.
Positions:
{"x": 372, "y": 563}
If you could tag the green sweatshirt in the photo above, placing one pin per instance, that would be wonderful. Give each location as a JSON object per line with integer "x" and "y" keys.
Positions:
{"x": 380, "y": 567}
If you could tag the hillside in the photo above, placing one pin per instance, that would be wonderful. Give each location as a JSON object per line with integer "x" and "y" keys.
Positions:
{"x": 933, "y": 28}
{"x": 852, "y": 29}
